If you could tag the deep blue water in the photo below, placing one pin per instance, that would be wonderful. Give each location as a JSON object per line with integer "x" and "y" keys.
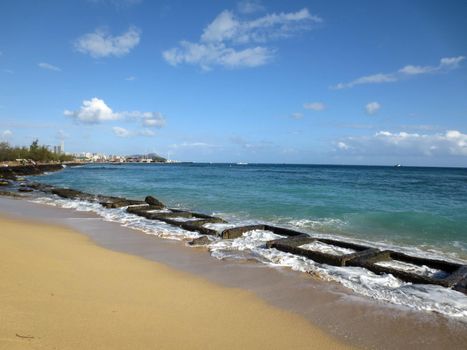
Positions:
{"x": 424, "y": 207}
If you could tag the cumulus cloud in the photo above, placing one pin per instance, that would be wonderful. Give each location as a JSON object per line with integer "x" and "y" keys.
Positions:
{"x": 49, "y": 66}
{"x": 449, "y": 143}
{"x": 102, "y": 44}
{"x": 232, "y": 42}
{"x": 445, "y": 64}
{"x": 92, "y": 111}
{"x": 95, "y": 110}
{"x": 372, "y": 107}
{"x": 315, "y": 106}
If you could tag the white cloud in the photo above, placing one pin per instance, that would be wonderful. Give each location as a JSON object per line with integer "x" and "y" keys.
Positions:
{"x": 250, "y": 6}
{"x": 296, "y": 116}
{"x": 102, "y": 44}
{"x": 96, "y": 110}
{"x": 6, "y": 134}
{"x": 445, "y": 64}
{"x": 208, "y": 55}
{"x": 120, "y": 132}
{"x": 315, "y": 106}
{"x": 147, "y": 119}
{"x": 48, "y": 66}
{"x": 372, "y": 107}
{"x": 92, "y": 111}
{"x": 449, "y": 143}
{"x": 342, "y": 145}
{"x": 223, "y": 41}
{"x": 130, "y": 78}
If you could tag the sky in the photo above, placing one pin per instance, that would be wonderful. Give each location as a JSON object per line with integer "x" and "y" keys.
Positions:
{"x": 271, "y": 81}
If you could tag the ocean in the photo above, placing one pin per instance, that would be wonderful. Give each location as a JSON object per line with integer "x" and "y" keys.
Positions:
{"x": 420, "y": 211}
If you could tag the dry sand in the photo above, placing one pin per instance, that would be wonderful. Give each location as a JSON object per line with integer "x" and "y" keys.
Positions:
{"x": 60, "y": 291}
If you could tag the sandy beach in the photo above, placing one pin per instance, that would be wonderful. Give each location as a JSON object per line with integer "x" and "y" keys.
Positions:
{"x": 60, "y": 291}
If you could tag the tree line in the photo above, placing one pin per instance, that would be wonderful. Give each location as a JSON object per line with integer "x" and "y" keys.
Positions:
{"x": 35, "y": 152}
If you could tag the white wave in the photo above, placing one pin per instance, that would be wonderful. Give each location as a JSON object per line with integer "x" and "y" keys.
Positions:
{"x": 327, "y": 248}
{"x": 403, "y": 266}
{"x": 384, "y": 287}
{"x": 252, "y": 246}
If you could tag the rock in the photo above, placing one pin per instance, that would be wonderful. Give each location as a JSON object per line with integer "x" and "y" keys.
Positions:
{"x": 4, "y": 183}
{"x": 10, "y": 194}
{"x": 203, "y": 240}
{"x": 25, "y": 189}
{"x": 72, "y": 194}
{"x": 153, "y": 201}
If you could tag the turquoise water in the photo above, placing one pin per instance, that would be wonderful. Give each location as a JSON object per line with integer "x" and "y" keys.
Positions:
{"x": 422, "y": 207}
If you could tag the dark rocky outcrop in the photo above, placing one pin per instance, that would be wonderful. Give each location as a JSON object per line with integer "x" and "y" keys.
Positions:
{"x": 154, "y": 202}
{"x": 11, "y": 172}
{"x": 25, "y": 189}
{"x": 10, "y": 194}
{"x": 203, "y": 240}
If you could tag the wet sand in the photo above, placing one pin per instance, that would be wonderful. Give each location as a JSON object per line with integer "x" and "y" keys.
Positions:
{"x": 348, "y": 317}
{"x": 61, "y": 291}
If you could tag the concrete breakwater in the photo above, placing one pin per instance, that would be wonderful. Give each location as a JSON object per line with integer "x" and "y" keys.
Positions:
{"x": 407, "y": 268}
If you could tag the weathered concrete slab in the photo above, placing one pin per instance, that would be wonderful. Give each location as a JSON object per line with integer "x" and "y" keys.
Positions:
{"x": 291, "y": 241}
{"x": 456, "y": 272}
{"x": 433, "y": 263}
{"x": 236, "y": 232}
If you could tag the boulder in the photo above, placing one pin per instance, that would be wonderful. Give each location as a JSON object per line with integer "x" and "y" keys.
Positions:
{"x": 154, "y": 202}
{"x": 25, "y": 189}
{"x": 203, "y": 240}
{"x": 4, "y": 183}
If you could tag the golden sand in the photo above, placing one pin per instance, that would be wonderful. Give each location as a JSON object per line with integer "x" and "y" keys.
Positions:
{"x": 60, "y": 291}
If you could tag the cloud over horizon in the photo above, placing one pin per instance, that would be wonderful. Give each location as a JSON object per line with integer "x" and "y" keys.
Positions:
{"x": 449, "y": 143}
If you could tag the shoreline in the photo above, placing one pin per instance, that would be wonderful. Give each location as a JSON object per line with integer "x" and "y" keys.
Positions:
{"x": 61, "y": 290}
{"x": 341, "y": 313}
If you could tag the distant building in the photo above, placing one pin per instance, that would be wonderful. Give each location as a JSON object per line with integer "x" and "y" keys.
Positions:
{"x": 60, "y": 149}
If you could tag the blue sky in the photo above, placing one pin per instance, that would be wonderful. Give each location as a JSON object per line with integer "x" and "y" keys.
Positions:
{"x": 341, "y": 82}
